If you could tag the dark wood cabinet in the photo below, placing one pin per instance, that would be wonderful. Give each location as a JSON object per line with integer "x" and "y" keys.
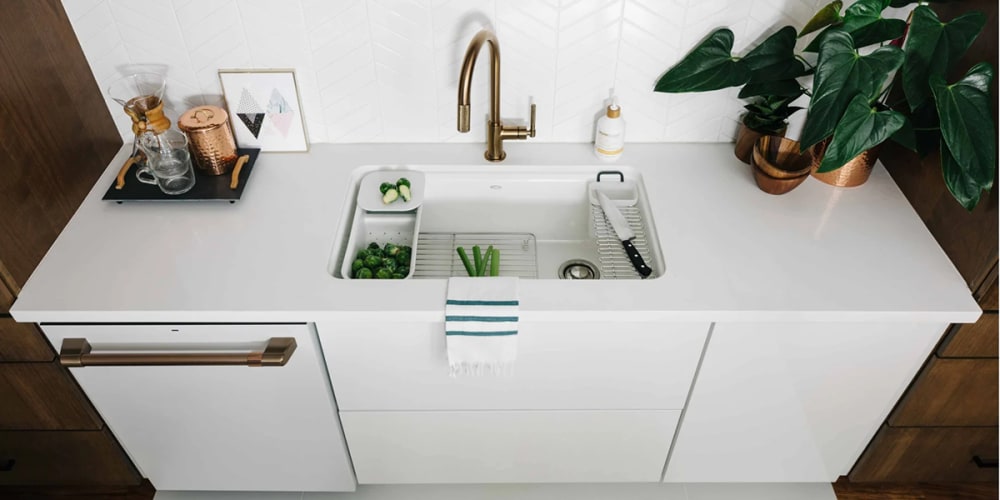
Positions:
{"x": 950, "y": 393}
{"x": 976, "y": 340}
{"x": 930, "y": 454}
{"x": 56, "y": 138}
{"x": 67, "y": 458}
{"x": 948, "y": 415}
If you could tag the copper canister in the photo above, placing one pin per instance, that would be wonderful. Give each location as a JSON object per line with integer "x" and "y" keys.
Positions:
{"x": 213, "y": 147}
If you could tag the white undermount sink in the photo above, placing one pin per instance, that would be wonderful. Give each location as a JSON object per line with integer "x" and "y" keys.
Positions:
{"x": 541, "y": 218}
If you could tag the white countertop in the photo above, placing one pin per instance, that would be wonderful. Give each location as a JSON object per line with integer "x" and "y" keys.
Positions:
{"x": 732, "y": 252}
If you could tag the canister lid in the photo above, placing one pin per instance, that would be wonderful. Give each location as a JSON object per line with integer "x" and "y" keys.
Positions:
{"x": 202, "y": 117}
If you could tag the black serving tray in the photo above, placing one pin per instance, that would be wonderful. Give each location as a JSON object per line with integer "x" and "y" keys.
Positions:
{"x": 206, "y": 187}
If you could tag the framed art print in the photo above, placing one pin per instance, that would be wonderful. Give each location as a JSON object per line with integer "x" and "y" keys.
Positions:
{"x": 264, "y": 109}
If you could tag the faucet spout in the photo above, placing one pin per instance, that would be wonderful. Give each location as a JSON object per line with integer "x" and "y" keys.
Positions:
{"x": 496, "y": 132}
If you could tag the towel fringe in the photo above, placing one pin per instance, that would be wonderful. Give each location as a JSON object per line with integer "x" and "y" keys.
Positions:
{"x": 479, "y": 369}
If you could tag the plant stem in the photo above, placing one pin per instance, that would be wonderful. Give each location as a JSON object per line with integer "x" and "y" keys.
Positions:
{"x": 804, "y": 61}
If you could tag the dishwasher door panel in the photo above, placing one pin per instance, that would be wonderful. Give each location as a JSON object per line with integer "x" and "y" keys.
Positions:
{"x": 269, "y": 428}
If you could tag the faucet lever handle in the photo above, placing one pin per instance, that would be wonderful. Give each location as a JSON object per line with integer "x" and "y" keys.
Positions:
{"x": 531, "y": 131}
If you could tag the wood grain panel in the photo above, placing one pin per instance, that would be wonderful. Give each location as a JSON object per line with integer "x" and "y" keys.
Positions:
{"x": 928, "y": 454}
{"x": 77, "y": 458}
{"x": 23, "y": 342}
{"x": 969, "y": 239}
{"x": 56, "y": 136}
{"x": 950, "y": 392}
{"x": 43, "y": 396}
{"x": 976, "y": 340}
{"x": 987, "y": 294}
{"x": 847, "y": 490}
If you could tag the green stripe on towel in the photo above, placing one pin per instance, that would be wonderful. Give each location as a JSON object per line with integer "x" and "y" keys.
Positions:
{"x": 453, "y": 302}
{"x": 487, "y": 319}
{"x": 481, "y": 334}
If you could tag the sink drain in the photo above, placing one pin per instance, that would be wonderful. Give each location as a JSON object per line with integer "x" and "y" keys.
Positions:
{"x": 578, "y": 269}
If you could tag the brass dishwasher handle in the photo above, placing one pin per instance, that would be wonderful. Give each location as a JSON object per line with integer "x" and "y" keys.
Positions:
{"x": 77, "y": 353}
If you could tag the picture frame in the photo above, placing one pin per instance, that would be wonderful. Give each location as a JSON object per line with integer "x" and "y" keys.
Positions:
{"x": 264, "y": 109}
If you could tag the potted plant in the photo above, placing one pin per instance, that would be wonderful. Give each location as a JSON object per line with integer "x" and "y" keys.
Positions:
{"x": 849, "y": 112}
{"x": 767, "y": 73}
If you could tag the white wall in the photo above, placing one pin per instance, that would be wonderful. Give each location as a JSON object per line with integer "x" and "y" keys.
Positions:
{"x": 386, "y": 70}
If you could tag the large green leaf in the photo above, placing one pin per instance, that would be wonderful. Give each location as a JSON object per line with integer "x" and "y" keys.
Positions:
{"x": 864, "y": 21}
{"x": 830, "y": 14}
{"x": 932, "y": 47}
{"x": 966, "y": 124}
{"x": 842, "y": 74}
{"x": 963, "y": 187}
{"x": 774, "y": 59}
{"x": 710, "y": 66}
{"x": 862, "y": 128}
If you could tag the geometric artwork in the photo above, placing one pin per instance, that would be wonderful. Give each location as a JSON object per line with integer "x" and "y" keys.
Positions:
{"x": 250, "y": 112}
{"x": 267, "y": 107}
{"x": 279, "y": 112}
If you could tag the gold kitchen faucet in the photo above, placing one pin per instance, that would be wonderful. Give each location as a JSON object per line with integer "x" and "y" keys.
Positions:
{"x": 496, "y": 132}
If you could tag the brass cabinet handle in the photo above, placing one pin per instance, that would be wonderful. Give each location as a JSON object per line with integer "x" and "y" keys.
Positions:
{"x": 77, "y": 353}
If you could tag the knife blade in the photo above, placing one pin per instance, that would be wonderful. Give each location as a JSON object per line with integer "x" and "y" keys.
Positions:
{"x": 624, "y": 232}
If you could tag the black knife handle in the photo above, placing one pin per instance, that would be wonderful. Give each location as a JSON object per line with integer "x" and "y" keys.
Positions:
{"x": 637, "y": 262}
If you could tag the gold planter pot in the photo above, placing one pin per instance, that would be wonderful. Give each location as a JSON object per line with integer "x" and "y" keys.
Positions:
{"x": 854, "y": 173}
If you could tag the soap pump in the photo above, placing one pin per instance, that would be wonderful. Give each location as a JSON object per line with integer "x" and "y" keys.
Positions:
{"x": 609, "y": 137}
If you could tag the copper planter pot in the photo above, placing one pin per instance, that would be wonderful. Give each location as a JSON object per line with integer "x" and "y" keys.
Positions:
{"x": 778, "y": 166}
{"x": 745, "y": 139}
{"x": 854, "y": 173}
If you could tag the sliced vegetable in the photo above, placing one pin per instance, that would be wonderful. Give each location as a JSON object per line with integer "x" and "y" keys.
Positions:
{"x": 385, "y": 187}
{"x": 403, "y": 186}
{"x": 390, "y": 196}
{"x": 465, "y": 261}
{"x": 495, "y": 262}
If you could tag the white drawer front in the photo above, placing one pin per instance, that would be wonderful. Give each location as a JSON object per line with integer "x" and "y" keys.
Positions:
{"x": 218, "y": 427}
{"x": 560, "y": 366}
{"x": 509, "y": 446}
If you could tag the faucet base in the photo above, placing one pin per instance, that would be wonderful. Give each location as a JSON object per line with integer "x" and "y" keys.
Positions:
{"x": 503, "y": 154}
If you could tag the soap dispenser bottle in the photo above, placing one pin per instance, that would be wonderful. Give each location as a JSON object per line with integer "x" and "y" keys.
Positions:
{"x": 609, "y": 137}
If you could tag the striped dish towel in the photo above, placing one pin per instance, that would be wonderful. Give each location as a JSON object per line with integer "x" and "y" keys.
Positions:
{"x": 480, "y": 325}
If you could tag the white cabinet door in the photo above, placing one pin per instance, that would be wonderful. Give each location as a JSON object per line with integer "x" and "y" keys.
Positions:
{"x": 559, "y": 366}
{"x": 509, "y": 446}
{"x": 793, "y": 402}
{"x": 218, "y": 427}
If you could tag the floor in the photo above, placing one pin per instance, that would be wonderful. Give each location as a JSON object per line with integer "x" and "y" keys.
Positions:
{"x": 700, "y": 491}
{"x": 842, "y": 489}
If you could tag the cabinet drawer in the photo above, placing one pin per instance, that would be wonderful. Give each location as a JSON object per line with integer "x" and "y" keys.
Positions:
{"x": 950, "y": 392}
{"x": 559, "y": 366}
{"x": 975, "y": 340}
{"x": 60, "y": 458}
{"x": 23, "y": 342}
{"x": 929, "y": 454}
{"x": 42, "y": 396}
{"x": 514, "y": 446}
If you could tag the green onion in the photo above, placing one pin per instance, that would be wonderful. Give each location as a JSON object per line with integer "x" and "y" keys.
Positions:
{"x": 477, "y": 254}
{"x": 465, "y": 261}
{"x": 495, "y": 261}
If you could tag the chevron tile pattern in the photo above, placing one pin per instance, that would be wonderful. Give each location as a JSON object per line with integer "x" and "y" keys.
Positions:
{"x": 387, "y": 70}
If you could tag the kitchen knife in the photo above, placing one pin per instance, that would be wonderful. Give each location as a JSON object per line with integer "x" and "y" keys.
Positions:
{"x": 624, "y": 233}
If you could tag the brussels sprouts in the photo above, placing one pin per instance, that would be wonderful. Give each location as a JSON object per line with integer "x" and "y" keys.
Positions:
{"x": 364, "y": 273}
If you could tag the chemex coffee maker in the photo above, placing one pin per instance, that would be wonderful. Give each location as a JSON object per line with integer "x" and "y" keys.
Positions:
{"x": 162, "y": 154}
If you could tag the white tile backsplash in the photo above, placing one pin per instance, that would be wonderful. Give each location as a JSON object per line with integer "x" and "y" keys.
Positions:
{"x": 387, "y": 70}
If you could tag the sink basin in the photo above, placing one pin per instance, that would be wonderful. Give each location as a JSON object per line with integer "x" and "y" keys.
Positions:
{"x": 541, "y": 218}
